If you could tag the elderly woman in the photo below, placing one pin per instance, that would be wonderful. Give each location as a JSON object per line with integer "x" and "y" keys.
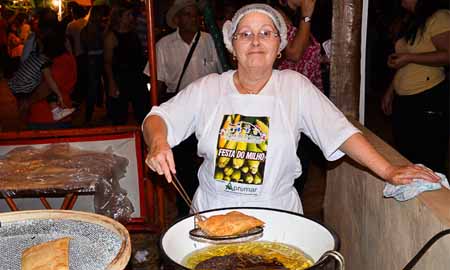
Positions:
{"x": 248, "y": 124}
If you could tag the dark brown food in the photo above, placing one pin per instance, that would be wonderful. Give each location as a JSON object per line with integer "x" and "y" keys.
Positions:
{"x": 240, "y": 261}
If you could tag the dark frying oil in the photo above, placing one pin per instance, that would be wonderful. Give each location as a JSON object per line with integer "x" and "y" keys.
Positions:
{"x": 291, "y": 257}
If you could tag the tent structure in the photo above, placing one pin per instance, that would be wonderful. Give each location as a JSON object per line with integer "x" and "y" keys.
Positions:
{"x": 152, "y": 51}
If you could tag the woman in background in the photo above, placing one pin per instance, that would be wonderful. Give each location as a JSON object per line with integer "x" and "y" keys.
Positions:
{"x": 124, "y": 61}
{"x": 418, "y": 96}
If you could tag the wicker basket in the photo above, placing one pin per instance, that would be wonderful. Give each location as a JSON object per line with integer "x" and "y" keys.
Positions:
{"x": 82, "y": 226}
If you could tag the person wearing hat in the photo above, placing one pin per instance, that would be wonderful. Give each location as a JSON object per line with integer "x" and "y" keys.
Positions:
{"x": 248, "y": 123}
{"x": 172, "y": 50}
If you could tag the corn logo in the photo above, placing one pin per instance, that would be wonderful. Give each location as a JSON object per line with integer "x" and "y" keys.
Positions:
{"x": 241, "y": 152}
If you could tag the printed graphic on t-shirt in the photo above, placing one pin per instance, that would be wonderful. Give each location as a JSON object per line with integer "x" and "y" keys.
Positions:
{"x": 241, "y": 153}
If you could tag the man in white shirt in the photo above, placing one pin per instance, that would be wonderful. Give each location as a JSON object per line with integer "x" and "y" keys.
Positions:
{"x": 171, "y": 54}
{"x": 172, "y": 50}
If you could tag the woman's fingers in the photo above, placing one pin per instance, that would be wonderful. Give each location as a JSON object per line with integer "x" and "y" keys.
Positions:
{"x": 148, "y": 161}
{"x": 164, "y": 169}
{"x": 406, "y": 174}
{"x": 171, "y": 162}
{"x": 162, "y": 163}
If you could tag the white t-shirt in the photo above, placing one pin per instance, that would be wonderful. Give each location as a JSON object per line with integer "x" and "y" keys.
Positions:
{"x": 256, "y": 135}
{"x": 171, "y": 53}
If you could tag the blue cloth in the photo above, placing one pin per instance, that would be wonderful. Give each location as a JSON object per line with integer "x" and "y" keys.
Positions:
{"x": 406, "y": 192}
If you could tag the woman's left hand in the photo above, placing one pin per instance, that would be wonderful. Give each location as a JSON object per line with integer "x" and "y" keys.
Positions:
{"x": 402, "y": 175}
{"x": 399, "y": 60}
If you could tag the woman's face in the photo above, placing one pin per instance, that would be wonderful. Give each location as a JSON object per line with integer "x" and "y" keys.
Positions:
{"x": 256, "y": 41}
{"x": 410, "y": 5}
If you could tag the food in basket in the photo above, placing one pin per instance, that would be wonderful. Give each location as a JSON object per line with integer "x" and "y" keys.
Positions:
{"x": 52, "y": 255}
{"x": 232, "y": 223}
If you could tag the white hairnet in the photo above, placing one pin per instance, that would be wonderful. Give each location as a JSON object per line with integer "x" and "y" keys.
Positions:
{"x": 229, "y": 27}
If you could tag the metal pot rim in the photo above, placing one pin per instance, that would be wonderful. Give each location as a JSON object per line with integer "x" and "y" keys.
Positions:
{"x": 337, "y": 242}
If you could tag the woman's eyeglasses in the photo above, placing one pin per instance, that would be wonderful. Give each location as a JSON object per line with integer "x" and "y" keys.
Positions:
{"x": 248, "y": 36}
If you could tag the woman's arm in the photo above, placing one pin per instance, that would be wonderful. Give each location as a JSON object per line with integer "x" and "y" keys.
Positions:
{"x": 296, "y": 47}
{"x": 160, "y": 157}
{"x": 52, "y": 84}
{"x": 360, "y": 150}
{"x": 109, "y": 44}
{"x": 440, "y": 57}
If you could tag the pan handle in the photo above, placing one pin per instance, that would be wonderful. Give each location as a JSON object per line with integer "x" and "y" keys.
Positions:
{"x": 425, "y": 248}
{"x": 335, "y": 255}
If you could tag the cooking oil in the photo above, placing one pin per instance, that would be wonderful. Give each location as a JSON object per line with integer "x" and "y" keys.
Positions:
{"x": 291, "y": 257}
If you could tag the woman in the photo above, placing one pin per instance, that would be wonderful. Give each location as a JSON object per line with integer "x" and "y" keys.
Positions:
{"x": 59, "y": 73}
{"x": 124, "y": 61}
{"x": 248, "y": 123}
{"x": 302, "y": 52}
{"x": 418, "y": 96}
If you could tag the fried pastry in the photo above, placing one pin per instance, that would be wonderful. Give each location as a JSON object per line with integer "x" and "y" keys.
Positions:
{"x": 229, "y": 224}
{"x": 52, "y": 255}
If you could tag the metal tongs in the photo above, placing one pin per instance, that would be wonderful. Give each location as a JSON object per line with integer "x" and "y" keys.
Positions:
{"x": 177, "y": 184}
{"x": 198, "y": 235}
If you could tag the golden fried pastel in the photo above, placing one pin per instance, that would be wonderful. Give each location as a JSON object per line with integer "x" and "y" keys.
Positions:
{"x": 52, "y": 255}
{"x": 229, "y": 224}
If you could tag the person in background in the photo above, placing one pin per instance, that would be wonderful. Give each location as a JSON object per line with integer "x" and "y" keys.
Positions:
{"x": 74, "y": 46}
{"x": 418, "y": 96}
{"x": 172, "y": 50}
{"x": 91, "y": 39}
{"x": 68, "y": 15}
{"x": 141, "y": 26}
{"x": 123, "y": 64}
{"x": 248, "y": 122}
{"x": 171, "y": 53}
{"x": 3, "y": 42}
{"x": 225, "y": 12}
{"x": 14, "y": 50}
{"x": 33, "y": 80}
{"x": 24, "y": 28}
{"x": 302, "y": 54}
{"x": 15, "y": 44}
{"x": 63, "y": 73}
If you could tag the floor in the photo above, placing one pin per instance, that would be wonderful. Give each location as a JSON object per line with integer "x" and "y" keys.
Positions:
{"x": 145, "y": 252}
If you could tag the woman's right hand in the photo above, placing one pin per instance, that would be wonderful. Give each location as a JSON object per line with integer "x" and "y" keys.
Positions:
{"x": 160, "y": 158}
